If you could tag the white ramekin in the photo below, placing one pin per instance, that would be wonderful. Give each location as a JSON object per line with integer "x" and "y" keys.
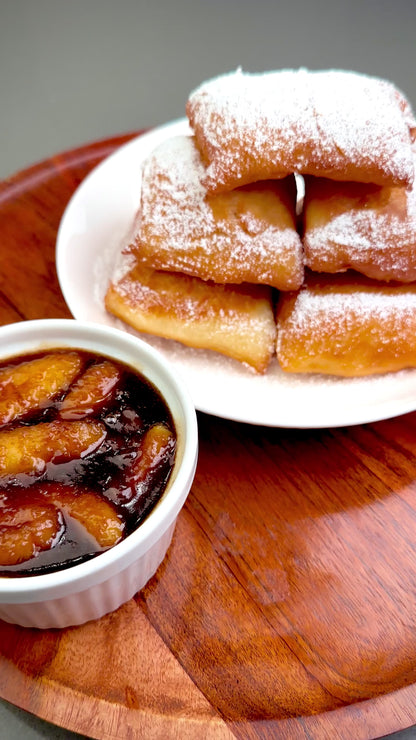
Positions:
{"x": 89, "y": 590}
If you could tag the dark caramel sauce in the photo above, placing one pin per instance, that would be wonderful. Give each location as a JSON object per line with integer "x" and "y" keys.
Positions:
{"x": 134, "y": 407}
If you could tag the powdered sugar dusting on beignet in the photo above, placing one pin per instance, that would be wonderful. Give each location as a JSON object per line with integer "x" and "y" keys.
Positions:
{"x": 347, "y": 325}
{"x": 247, "y": 235}
{"x": 365, "y": 227}
{"x": 336, "y": 124}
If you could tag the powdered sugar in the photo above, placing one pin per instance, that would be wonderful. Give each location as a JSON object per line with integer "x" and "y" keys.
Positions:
{"x": 331, "y": 123}
{"x": 372, "y": 230}
{"x": 329, "y": 310}
{"x": 347, "y": 328}
{"x": 228, "y": 240}
{"x": 366, "y": 229}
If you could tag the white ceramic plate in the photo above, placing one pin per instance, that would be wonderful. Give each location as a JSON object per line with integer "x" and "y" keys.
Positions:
{"x": 91, "y": 231}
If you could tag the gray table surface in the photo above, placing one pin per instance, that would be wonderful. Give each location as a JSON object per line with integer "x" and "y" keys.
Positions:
{"x": 75, "y": 71}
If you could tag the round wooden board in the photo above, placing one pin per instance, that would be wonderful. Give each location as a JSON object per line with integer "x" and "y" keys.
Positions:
{"x": 286, "y": 606}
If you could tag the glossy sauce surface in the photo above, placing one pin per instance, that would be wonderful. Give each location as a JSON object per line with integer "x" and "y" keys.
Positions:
{"x": 87, "y": 445}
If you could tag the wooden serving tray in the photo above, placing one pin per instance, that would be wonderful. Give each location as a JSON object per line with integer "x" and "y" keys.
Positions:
{"x": 286, "y": 606}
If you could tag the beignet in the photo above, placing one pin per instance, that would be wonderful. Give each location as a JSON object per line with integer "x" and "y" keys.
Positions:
{"x": 245, "y": 236}
{"x": 335, "y": 124}
{"x": 235, "y": 320}
{"x": 347, "y": 325}
{"x": 369, "y": 228}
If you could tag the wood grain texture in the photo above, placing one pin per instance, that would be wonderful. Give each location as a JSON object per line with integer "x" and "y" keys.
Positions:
{"x": 286, "y": 606}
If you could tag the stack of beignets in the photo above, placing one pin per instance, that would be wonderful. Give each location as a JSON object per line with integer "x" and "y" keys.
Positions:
{"x": 205, "y": 267}
{"x": 220, "y": 260}
{"x": 245, "y": 235}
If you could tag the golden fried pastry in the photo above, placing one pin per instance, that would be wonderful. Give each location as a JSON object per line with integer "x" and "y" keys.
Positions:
{"x": 335, "y": 124}
{"x": 347, "y": 325}
{"x": 368, "y": 228}
{"x": 245, "y": 236}
{"x": 236, "y": 320}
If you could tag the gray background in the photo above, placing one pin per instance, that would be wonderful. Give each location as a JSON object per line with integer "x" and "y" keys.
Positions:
{"x": 73, "y": 71}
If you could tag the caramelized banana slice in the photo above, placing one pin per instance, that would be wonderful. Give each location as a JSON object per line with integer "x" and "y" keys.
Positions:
{"x": 96, "y": 514}
{"x": 91, "y": 391}
{"x": 25, "y": 530}
{"x": 140, "y": 483}
{"x": 156, "y": 444}
{"x": 29, "y": 449}
{"x": 32, "y": 384}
